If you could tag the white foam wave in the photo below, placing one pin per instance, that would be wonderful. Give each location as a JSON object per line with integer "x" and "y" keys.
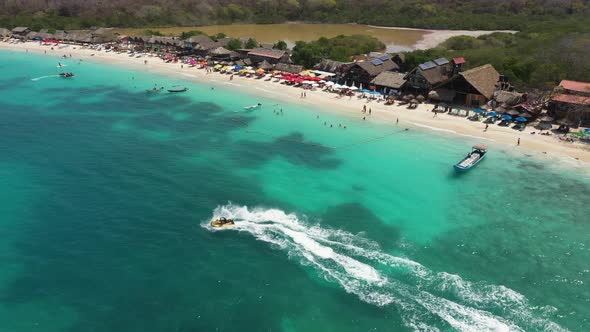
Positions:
{"x": 361, "y": 268}
{"x": 43, "y": 77}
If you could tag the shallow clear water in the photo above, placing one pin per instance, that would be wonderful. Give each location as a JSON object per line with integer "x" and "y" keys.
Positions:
{"x": 107, "y": 193}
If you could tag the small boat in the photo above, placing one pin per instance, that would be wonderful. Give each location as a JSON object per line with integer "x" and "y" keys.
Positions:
{"x": 222, "y": 222}
{"x": 154, "y": 90}
{"x": 177, "y": 89}
{"x": 66, "y": 75}
{"x": 476, "y": 155}
{"x": 253, "y": 106}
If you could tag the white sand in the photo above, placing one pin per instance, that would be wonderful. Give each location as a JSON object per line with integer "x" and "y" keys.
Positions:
{"x": 577, "y": 154}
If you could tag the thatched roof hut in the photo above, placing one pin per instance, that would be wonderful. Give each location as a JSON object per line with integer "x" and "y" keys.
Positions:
{"x": 483, "y": 79}
{"x": 220, "y": 51}
{"x": 389, "y": 79}
{"x": 265, "y": 65}
{"x": 294, "y": 69}
{"x": 4, "y": 32}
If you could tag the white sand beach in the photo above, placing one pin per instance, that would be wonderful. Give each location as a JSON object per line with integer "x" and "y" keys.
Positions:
{"x": 420, "y": 118}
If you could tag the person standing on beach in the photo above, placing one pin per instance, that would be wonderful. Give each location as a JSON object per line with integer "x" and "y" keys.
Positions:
{"x": 518, "y": 142}
{"x": 487, "y": 125}
{"x": 397, "y": 121}
{"x": 364, "y": 108}
{"x": 369, "y": 111}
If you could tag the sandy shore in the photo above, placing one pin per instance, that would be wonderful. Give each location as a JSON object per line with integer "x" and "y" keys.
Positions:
{"x": 436, "y": 37}
{"x": 433, "y": 38}
{"x": 506, "y": 138}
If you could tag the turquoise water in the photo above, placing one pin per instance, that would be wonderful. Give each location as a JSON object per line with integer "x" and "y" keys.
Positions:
{"x": 107, "y": 193}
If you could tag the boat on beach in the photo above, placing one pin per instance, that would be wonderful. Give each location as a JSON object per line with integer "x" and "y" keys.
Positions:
{"x": 222, "y": 222}
{"x": 178, "y": 89}
{"x": 478, "y": 152}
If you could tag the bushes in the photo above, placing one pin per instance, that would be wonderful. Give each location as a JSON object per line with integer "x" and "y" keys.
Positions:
{"x": 340, "y": 48}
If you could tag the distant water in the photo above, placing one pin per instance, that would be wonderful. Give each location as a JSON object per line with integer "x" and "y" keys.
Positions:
{"x": 107, "y": 192}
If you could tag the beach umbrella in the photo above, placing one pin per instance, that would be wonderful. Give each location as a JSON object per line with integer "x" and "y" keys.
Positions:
{"x": 414, "y": 101}
{"x": 486, "y": 107}
{"x": 587, "y": 130}
{"x": 410, "y": 96}
{"x": 546, "y": 118}
{"x": 442, "y": 105}
{"x": 406, "y": 98}
{"x": 478, "y": 111}
{"x": 330, "y": 83}
{"x": 365, "y": 91}
{"x": 492, "y": 113}
{"x": 353, "y": 88}
{"x": 421, "y": 98}
{"x": 374, "y": 93}
{"x": 506, "y": 117}
{"x": 521, "y": 119}
{"x": 512, "y": 112}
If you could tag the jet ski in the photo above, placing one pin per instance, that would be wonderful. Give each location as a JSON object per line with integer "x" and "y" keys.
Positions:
{"x": 222, "y": 222}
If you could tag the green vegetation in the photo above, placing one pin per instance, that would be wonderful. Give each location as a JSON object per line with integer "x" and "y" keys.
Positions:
{"x": 340, "y": 48}
{"x": 539, "y": 57}
{"x": 471, "y": 14}
{"x": 153, "y": 33}
{"x": 234, "y": 44}
{"x": 192, "y": 33}
{"x": 280, "y": 45}
{"x": 251, "y": 43}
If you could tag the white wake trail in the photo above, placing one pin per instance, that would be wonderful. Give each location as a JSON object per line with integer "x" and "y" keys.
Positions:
{"x": 361, "y": 268}
{"x": 43, "y": 77}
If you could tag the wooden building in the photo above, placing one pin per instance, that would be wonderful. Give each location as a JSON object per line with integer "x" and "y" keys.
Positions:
{"x": 20, "y": 32}
{"x": 388, "y": 82}
{"x": 571, "y": 100}
{"x": 363, "y": 72}
{"x": 270, "y": 55}
{"x": 428, "y": 75}
{"x": 472, "y": 87}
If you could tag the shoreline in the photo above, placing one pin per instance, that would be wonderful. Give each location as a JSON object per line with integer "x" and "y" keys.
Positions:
{"x": 434, "y": 37}
{"x": 546, "y": 147}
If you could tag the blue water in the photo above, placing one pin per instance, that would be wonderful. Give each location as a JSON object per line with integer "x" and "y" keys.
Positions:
{"x": 107, "y": 194}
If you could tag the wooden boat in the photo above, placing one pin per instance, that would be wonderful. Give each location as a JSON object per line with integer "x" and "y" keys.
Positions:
{"x": 476, "y": 155}
{"x": 66, "y": 75}
{"x": 177, "y": 89}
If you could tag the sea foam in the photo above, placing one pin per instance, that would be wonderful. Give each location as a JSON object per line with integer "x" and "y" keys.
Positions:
{"x": 361, "y": 268}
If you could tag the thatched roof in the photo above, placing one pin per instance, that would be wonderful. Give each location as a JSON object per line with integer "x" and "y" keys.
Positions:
{"x": 294, "y": 69}
{"x": 442, "y": 95}
{"x": 508, "y": 97}
{"x": 220, "y": 51}
{"x": 329, "y": 66}
{"x": 4, "y": 32}
{"x": 436, "y": 75}
{"x": 60, "y": 34}
{"x": 265, "y": 65}
{"x": 375, "y": 69}
{"x": 20, "y": 29}
{"x": 267, "y": 53}
{"x": 389, "y": 79}
{"x": 198, "y": 39}
{"x": 32, "y": 34}
{"x": 483, "y": 79}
